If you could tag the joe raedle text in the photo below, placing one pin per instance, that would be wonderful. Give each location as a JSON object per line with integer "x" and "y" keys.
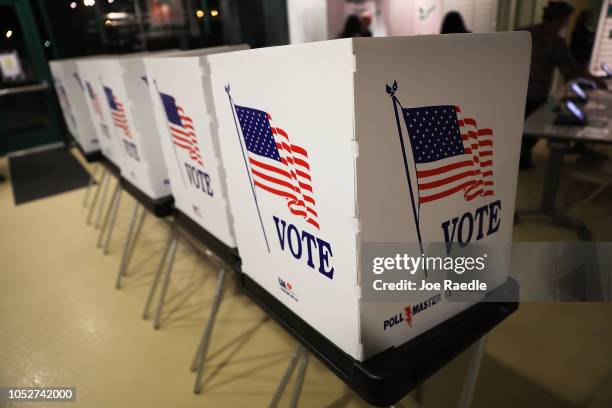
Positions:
{"x": 475, "y": 285}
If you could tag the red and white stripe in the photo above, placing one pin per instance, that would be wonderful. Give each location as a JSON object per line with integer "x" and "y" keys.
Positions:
{"x": 478, "y": 143}
{"x": 184, "y": 137}
{"x": 96, "y": 106}
{"x": 120, "y": 120}
{"x": 290, "y": 179}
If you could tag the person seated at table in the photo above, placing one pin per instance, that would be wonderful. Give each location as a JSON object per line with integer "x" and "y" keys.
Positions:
{"x": 549, "y": 51}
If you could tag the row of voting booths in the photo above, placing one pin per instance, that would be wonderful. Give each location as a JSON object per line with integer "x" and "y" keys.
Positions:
{"x": 294, "y": 158}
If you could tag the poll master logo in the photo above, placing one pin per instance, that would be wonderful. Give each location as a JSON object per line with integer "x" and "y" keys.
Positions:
{"x": 182, "y": 132}
{"x": 280, "y": 168}
{"x": 451, "y": 156}
{"x": 287, "y": 287}
{"x": 411, "y": 311}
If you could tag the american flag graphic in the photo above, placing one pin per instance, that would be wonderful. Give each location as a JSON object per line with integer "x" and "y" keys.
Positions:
{"x": 78, "y": 79}
{"x": 278, "y": 166}
{"x": 95, "y": 103}
{"x": 117, "y": 112}
{"x": 181, "y": 128}
{"x": 451, "y": 154}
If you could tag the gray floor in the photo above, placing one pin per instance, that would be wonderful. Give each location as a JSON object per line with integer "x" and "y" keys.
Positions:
{"x": 63, "y": 323}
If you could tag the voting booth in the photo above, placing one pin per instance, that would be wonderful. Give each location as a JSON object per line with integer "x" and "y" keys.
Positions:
{"x": 70, "y": 92}
{"x": 90, "y": 71}
{"x": 124, "y": 87}
{"x": 179, "y": 87}
{"x": 330, "y": 146}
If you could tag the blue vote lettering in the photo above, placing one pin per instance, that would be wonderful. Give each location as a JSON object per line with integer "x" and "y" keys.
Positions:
{"x": 199, "y": 179}
{"x": 302, "y": 244}
{"x": 470, "y": 227}
{"x": 131, "y": 149}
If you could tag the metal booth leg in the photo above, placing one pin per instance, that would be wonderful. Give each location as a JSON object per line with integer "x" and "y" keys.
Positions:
{"x": 547, "y": 206}
{"x": 112, "y": 221}
{"x": 102, "y": 201}
{"x": 162, "y": 295}
{"x": 200, "y": 356}
{"x": 136, "y": 235}
{"x": 107, "y": 215}
{"x": 471, "y": 377}
{"x": 162, "y": 263}
{"x": 299, "y": 381}
{"x": 95, "y": 197}
{"x": 128, "y": 245}
{"x": 92, "y": 180}
{"x": 297, "y": 355}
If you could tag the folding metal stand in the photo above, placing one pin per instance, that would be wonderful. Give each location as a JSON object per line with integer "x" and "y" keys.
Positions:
{"x": 92, "y": 181}
{"x": 547, "y": 206}
{"x": 93, "y": 158}
{"x": 108, "y": 169}
{"x": 103, "y": 178}
{"x": 199, "y": 358}
{"x": 169, "y": 249}
{"x": 130, "y": 241}
{"x": 471, "y": 376}
{"x": 161, "y": 208}
{"x": 108, "y": 223}
{"x": 165, "y": 267}
{"x": 227, "y": 258}
{"x": 300, "y": 355}
{"x": 387, "y": 377}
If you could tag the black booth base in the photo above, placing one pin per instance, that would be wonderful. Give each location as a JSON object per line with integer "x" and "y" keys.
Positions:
{"x": 389, "y": 376}
{"x": 110, "y": 167}
{"x": 161, "y": 207}
{"x": 228, "y": 255}
{"x": 91, "y": 157}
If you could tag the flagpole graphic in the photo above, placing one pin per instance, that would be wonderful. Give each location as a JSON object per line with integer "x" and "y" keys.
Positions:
{"x": 227, "y": 90}
{"x": 178, "y": 163}
{"x": 451, "y": 154}
{"x": 391, "y": 92}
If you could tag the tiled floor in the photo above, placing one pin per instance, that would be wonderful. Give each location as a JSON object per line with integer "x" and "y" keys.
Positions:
{"x": 63, "y": 323}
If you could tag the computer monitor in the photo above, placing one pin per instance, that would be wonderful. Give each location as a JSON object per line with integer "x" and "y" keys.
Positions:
{"x": 606, "y": 68}
{"x": 575, "y": 111}
{"x": 579, "y": 92}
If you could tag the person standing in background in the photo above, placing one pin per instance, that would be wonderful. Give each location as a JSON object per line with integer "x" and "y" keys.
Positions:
{"x": 453, "y": 23}
{"x": 353, "y": 27}
{"x": 583, "y": 39}
{"x": 549, "y": 51}
{"x": 366, "y": 22}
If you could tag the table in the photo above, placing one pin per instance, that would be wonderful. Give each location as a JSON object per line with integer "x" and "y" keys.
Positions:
{"x": 540, "y": 124}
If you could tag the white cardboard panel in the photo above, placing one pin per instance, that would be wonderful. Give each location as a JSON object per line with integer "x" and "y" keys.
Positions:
{"x": 69, "y": 88}
{"x": 330, "y": 99}
{"x": 193, "y": 163}
{"x": 62, "y": 96}
{"x": 90, "y": 72}
{"x": 308, "y": 91}
{"x": 486, "y": 76}
{"x": 149, "y": 173}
